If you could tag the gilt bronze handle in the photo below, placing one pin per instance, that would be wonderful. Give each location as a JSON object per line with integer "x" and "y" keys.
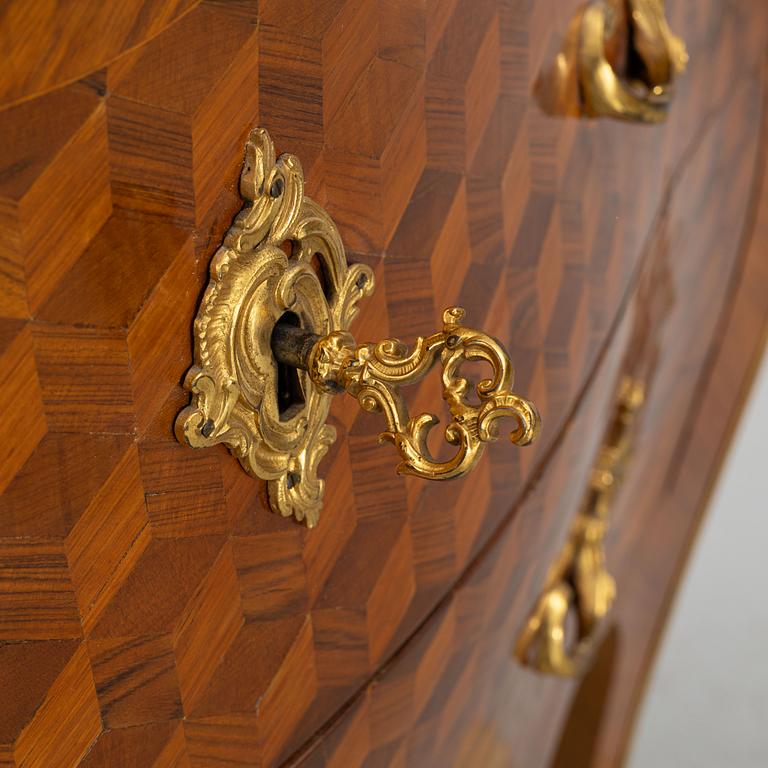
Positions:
{"x": 579, "y": 583}
{"x": 644, "y": 93}
{"x": 272, "y": 346}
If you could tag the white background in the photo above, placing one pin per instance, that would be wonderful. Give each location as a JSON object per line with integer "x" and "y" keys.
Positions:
{"x": 707, "y": 701}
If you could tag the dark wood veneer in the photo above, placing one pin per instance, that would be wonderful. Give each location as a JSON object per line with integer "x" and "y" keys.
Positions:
{"x": 152, "y": 610}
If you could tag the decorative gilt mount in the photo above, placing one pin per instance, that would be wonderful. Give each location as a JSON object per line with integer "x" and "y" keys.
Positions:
{"x": 619, "y": 59}
{"x": 278, "y": 306}
{"x": 579, "y": 582}
{"x": 644, "y": 94}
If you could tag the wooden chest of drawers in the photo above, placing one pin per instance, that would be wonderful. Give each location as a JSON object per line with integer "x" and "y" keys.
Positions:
{"x": 153, "y": 610}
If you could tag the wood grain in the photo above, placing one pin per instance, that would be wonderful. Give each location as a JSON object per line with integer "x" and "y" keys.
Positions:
{"x": 153, "y": 611}
{"x": 44, "y": 50}
{"x": 55, "y": 191}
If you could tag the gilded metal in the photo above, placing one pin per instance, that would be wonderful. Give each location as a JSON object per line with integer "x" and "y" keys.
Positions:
{"x": 374, "y": 373}
{"x": 266, "y": 308}
{"x": 661, "y": 52}
{"x": 263, "y": 270}
{"x": 579, "y": 583}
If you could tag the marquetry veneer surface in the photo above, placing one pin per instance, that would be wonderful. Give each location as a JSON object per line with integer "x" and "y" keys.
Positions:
{"x": 692, "y": 332}
{"x": 152, "y": 610}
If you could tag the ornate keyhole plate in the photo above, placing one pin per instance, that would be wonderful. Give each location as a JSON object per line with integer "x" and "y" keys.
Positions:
{"x": 262, "y": 270}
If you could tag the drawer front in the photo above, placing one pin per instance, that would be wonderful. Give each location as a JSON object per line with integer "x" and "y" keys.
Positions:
{"x": 691, "y": 335}
{"x": 152, "y": 607}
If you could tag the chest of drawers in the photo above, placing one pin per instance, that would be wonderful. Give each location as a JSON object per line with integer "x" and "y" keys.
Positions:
{"x": 154, "y": 611}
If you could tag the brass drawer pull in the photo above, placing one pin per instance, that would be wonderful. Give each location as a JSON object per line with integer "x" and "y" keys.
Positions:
{"x": 579, "y": 583}
{"x": 662, "y": 55}
{"x": 272, "y": 345}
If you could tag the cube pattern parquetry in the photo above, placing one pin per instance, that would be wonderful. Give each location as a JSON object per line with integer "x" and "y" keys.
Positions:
{"x": 152, "y": 609}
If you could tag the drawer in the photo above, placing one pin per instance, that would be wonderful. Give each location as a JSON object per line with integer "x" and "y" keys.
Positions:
{"x": 152, "y": 607}
{"x": 457, "y": 694}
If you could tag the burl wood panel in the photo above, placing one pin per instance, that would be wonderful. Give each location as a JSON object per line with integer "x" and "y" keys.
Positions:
{"x": 152, "y": 610}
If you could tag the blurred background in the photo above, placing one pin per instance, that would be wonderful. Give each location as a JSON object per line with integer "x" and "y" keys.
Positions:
{"x": 707, "y": 699}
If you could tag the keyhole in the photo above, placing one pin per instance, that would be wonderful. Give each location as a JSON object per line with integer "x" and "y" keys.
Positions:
{"x": 290, "y": 396}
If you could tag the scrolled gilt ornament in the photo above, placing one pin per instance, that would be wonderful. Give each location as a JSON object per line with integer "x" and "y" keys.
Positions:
{"x": 663, "y": 55}
{"x": 579, "y": 582}
{"x": 263, "y": 270}
{"x": 267, "y": 316}
{"x": 373, "y": 373}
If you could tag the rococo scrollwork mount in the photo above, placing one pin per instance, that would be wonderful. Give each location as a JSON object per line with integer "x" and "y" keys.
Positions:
{"x": 253, "y": 283}
{"x": 281, "y": 296}
{"x": 579, "y": 583}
